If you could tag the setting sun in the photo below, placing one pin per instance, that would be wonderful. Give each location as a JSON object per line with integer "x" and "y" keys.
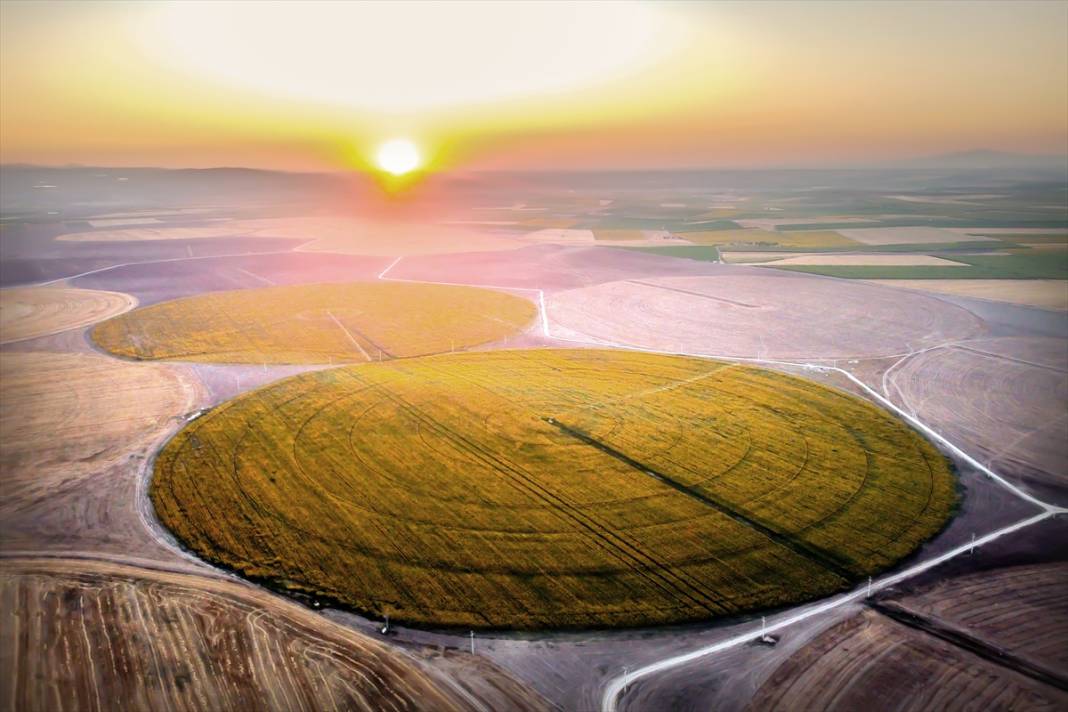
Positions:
{"x": 398, "y": 156}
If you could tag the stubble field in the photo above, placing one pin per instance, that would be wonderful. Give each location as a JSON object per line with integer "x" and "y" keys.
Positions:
{"x": 1007, "y": 398}
{"x": 66, "y": 417}
{"x": 552, "y": 488}
{"x": 97, "y": 636}
{"x": 1017, "y": 616}
{"x": 751, "y": 312}
{"x": 30, "y": 312}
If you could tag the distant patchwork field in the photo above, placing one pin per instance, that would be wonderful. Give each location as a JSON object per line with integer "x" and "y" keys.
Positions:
{"x": 866, "y": 260}
{"x": 547, "y": 488}
{"x": 1042, "y": 293}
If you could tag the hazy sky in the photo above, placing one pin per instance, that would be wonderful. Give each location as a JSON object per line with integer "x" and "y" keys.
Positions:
{"x": 540, "y": 85}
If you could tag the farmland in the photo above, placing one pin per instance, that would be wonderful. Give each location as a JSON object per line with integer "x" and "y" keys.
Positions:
{"x": 567, "y": 506}
{"x": 1042, "y": 293}
{"x": 66, "y": 417}
{"x": 39, "y": 311}
{"x": 1018, "y": 612}
{"x": 1006, "y": 397}
{"x": 551, "y": 488}
{"x": 800, "y": 239}
{"x": 861, "y": 661}
{"x": 89, "y": 634}
{"x": 316, "y": 323}
{"x": 864, "y": 260}
{"x": 739, "y": 313}
{"x": 1018, "y": 265}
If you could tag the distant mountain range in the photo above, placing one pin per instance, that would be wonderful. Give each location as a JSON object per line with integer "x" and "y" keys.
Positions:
{"x": 985, "y": 160}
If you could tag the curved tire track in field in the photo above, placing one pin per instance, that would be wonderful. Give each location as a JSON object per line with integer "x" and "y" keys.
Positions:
{"x": 139, "y": 629}
{"x": 31, "y": 312}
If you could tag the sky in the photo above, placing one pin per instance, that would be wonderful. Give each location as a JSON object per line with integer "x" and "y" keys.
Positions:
{"x": 541, "y": 85}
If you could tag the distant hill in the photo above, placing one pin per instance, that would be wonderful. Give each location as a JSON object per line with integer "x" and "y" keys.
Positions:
{"x": 85, "y": 190}
{"x": 985, "y": 160}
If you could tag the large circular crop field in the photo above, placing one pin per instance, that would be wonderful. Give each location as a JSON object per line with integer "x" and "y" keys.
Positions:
{"x": 318, "y": 323}
{"x": 552, "y": 488}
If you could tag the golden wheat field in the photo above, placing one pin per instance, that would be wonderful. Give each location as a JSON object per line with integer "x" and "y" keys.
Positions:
{"x": 316, "y": 323}
{"x": 552, "y": 488}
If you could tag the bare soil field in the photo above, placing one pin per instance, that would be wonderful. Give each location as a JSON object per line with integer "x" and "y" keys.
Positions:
{"x": 635, "y": 238}
{"x": 341, "y": 235}
{"x": 869, "y": 659}
{"x": 909, "y": 235}
{"x": 619, "y": 235}
{"x": 756, "y": 236}
{"x": 88, "y": 634}
{"x": 27, "y": 313}
{"x": 743, "y": 314}
{"x": 565, "y": 236}
{"x": 32, "y": 255}
{"x": 1023, "y": 610}
{"x": 955, "y": 647}
{"x": 150, "y": 234}
{"x": 1043, "y": 293}
{"x": 67, "y": 417}
{"x": 364, "y": 237}
{"x": 157, "y": 282}
{"x": 123, "y": 222}
{"x": 548, "y": 267}
{"x": 727, "y": 681}
{"x": 739, "y": 257}
{"x": 903, "y": 260}
{"x": 1004, "y": 398}
{"x": 319, "y": 323}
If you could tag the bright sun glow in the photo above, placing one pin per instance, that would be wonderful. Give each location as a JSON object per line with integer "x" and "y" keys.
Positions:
{"x": 376, "y": 57}
{"x": 398, "y": 156}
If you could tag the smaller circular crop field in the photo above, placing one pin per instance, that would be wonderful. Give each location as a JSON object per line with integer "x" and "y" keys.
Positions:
{"x": 552, "y": 488}
{"x": 318, "y": 323}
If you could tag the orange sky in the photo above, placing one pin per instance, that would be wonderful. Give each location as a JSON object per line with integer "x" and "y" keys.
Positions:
{"x": 541, "y": 85}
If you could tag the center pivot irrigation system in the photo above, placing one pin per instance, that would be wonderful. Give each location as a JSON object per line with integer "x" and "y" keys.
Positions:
{"x": 619, "y": 685}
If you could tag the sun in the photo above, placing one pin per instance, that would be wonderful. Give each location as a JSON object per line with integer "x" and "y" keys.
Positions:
{"x": 398, "y": 156}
